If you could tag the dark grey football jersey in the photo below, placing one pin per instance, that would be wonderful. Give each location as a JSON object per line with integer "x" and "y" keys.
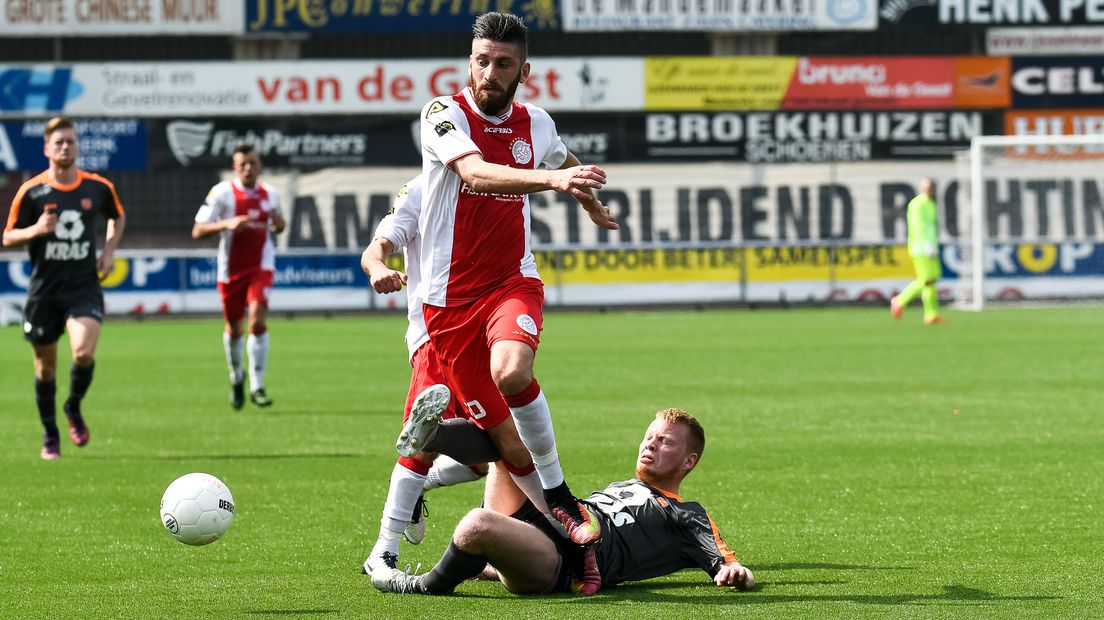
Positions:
{"x": 648, "y": 533}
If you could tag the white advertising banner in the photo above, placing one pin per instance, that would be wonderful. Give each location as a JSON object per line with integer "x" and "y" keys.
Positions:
{"x": 721, "y": 16}
{"x": 301, "y": 87}
{"x": 1044, "y": 41}
{"x": 85, "y": 18}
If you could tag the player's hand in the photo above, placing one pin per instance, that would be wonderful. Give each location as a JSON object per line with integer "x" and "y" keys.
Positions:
{"x": 105, "y": 266}
{"x": 735, "y": 574}
{"x": 389, "y": 281}
{"x": 47, "y": 222}
{"x": 579, "y": 181}
{"x": 237, "y": 223}
{"x": 600, "y": 214}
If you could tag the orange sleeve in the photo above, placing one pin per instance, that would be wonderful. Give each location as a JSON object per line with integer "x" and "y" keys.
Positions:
{"x": 13, "y": 215}
{"x": 729, "y": 557}
{"x": 110, "y": 186}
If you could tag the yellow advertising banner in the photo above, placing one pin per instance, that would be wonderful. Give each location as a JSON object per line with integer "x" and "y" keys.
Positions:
{"x": 716, "y": 83}
{"x": 638, "y": 265}
{"x": 855, "y": 262}
{"x": 762, "y": 264}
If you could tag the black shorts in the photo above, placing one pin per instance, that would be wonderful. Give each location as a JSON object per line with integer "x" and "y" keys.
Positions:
{"x": 529, "y": 514}
{"x": 44, "y": 317}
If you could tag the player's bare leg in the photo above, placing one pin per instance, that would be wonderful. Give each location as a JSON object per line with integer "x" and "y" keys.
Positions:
{"x": 512, "y": 371}
{"x": 526, "y": 560}
{"x": 257, "y": 343}
{"x": 517, "y": 460}
{"x": 84, "y": 335}
{"x": 45, "y": 369}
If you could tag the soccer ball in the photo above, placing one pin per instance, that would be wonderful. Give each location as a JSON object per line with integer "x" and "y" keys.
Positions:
{"x": 197, "y": 509}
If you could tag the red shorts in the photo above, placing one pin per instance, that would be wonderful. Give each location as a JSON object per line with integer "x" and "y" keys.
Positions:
{"x": 427, "y": 372}
{"x": 463, "y": 337}
{"x": 241, "y": 291}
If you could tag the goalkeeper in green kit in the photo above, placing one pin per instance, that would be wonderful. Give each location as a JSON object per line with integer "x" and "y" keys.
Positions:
{"x": 923, "y": 247}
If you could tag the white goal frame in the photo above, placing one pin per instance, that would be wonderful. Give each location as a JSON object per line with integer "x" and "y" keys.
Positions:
{"x": 978, "y": 232}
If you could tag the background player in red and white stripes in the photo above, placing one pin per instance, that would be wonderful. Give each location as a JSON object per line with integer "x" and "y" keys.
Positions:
{"x": 482, "y": 153}
{"x": 245, "y": 212}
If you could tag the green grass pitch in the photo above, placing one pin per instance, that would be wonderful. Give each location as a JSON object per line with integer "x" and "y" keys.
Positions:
{"x": 834, "y": 466}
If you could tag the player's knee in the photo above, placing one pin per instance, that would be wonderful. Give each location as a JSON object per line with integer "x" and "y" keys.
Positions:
{"x": 45, "y": 374}
{"x": 512, "y": 378}
{"x": 83, "y": 359}
{"x": 474, "y": 529}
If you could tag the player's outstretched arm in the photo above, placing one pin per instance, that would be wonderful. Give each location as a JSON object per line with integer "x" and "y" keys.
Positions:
{"x": 598, "y": 212}
{"x": 483, "y": 176}
{"x": 277, "y": 223}
{"x": 383, "y": 278}
{"x": 46, "y": 224}
{"x": 736, "y": 575}
{"x": 114, "y": 234}
{"x": 203, "y": 229}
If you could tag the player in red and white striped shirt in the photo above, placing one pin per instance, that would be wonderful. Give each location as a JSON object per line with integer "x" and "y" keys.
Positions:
{"x": 482, "y": 153}
{"x": 245, "y": 212}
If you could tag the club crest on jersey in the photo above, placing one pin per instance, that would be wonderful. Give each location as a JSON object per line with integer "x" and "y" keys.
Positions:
{"x": 435, "y": 107}
{"x": 527, "y": 323}
{"x": 86, "y": 203}
{"x": 443, "y": 127}
{"x": 523, "y": 153}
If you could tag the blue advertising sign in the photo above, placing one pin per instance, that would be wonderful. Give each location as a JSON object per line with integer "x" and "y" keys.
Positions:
{"x": 30, "y": 90}
{"x": 431, "y": 16}
{"x": 131, "y": 274}
{"x": 313, "y": 271}
{"x": 105, "y": 145}
{"x": 1057, "y": 82}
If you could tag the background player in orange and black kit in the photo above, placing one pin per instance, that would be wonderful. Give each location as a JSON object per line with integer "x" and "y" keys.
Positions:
{"x": 54, "y": 214}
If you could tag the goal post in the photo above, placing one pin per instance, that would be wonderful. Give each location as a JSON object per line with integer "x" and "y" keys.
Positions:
{"x": 1034, "y": 228}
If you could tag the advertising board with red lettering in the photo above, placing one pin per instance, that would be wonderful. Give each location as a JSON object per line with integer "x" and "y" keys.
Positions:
{"x": 871, "y": 82}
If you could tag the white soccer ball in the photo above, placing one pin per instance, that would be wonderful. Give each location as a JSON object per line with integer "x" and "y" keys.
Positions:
{"x": 197, "y": 509}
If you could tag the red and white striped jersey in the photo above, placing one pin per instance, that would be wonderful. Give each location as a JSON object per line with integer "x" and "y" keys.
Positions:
{"x": 400, "y": 227}
{"x": 251, "y": 248}
{"x": 473, "y": 242}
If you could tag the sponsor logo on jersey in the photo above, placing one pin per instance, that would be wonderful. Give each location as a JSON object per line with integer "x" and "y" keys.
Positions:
{"x": 663, "y": 503}
{"x": 69, "y": 225}
{"x": 522, "y": 152}
{"x": 492, "y": 129}
{"x": 435, "y": 107}
{"x": 86, "y": 203}
{"x": 527, "y": 323}
{"x": 443, "y": 127}
{"x": 67, "y": 250}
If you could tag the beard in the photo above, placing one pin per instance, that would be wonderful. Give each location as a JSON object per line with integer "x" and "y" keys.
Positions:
{"x": 495, "y": 102}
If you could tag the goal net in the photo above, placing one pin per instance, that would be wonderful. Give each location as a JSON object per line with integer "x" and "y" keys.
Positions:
{"x": 1032, "y": 226}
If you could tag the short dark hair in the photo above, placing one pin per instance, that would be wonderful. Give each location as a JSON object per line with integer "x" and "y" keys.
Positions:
{"x": 696, "y": 442}
{"x": 504, "y": 28}
{"x": 56, "y": 123}
{"x": 244, "y": 148}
